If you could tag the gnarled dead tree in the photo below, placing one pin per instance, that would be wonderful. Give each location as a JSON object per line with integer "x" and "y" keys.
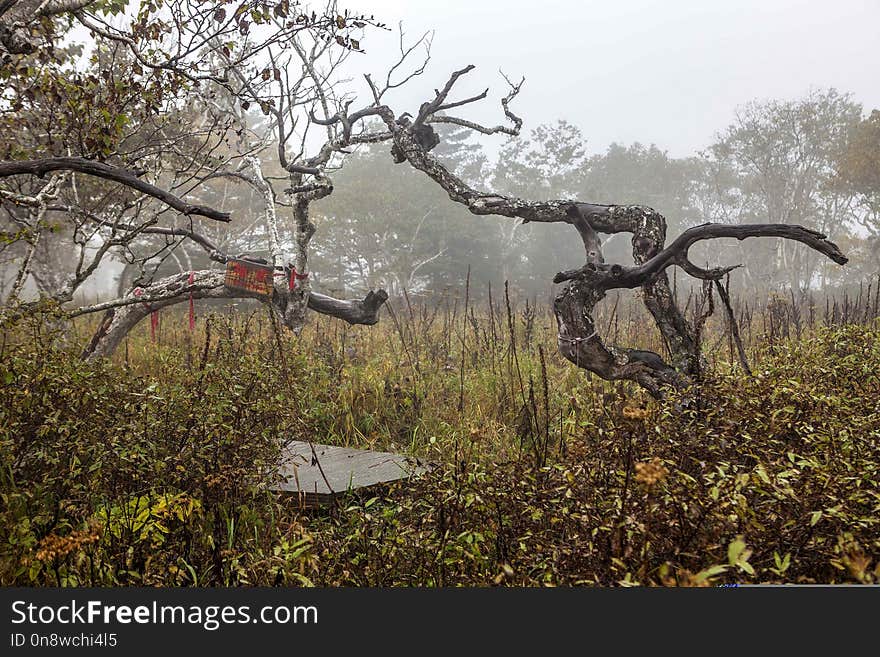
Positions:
{"x": 578, "y": 339}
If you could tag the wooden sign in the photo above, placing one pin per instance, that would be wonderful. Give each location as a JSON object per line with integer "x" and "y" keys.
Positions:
{"x": 317, "y": 473}
{"x": 249, "y": 276}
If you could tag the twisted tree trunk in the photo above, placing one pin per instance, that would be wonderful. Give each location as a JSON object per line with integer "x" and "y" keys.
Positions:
{"x": 578, "y": 338}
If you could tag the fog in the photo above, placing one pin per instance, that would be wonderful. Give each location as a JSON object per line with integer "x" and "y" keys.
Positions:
{"x": 630, "y": 102}
{"x": 671, "y": 73}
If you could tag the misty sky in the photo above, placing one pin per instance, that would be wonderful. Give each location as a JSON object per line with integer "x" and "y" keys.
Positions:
{"x": 669, "y": 72}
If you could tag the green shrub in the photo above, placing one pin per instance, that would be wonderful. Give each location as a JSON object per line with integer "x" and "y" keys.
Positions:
{"x": 152, "y": 469}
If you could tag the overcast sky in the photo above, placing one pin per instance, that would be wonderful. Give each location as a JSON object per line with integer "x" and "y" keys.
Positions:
{"x": 669, "y": 72}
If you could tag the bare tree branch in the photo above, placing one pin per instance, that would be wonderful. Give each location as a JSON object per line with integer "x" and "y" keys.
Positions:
{"x": 617, "y": 276}
{"x": 124, "y": 313}
{"x": 125, "y": 177}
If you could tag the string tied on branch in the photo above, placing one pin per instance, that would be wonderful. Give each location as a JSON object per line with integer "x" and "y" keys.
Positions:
{"x": 564, "y": 338}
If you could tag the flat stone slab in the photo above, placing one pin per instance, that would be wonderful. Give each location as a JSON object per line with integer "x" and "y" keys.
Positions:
{"x": 319, "y": 472}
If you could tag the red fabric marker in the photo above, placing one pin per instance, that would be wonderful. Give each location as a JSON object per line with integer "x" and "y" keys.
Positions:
{"x": 154, "y": 324}
{"x": 192, "y": 310}
{"x": 294, "y": 277}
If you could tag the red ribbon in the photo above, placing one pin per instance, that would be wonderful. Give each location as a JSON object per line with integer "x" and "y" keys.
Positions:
{"x": 154, "y": 314}
{"x": 192, "y": 310}
{"x": 294, "y": 277}
{"x": 154, "y": 324}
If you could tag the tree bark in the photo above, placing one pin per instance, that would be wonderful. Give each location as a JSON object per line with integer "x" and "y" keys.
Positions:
{"x": 578, "y": 337}
{"x": 123, "y": 314}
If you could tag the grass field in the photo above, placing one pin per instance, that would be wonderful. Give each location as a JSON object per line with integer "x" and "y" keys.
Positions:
{"x": 151, "y": 468}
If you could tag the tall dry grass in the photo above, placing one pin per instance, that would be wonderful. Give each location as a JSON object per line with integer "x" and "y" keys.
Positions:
{"x": 153, "y": 468}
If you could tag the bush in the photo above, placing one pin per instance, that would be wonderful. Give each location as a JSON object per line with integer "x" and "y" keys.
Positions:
{"x": 110, "y": 477}
{"x": 153, "y": 469}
